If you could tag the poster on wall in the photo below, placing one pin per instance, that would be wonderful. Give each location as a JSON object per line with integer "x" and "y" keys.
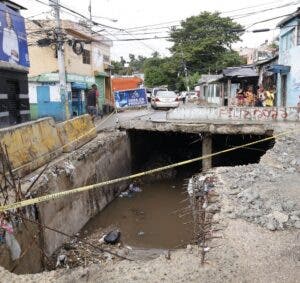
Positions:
{"x": 131, "y": 98}
{"x": 13, "y": 39}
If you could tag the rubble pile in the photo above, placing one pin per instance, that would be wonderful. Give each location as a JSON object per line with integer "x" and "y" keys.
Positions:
{"x": 266, "y": 193}
{"x": 77, "y": 253}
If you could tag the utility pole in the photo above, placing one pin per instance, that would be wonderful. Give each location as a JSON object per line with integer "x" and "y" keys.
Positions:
{"x": 61, "y": 59}
{"x": 185, "y": 70}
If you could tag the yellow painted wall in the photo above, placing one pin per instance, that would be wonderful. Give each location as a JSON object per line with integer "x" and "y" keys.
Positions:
{"x": 74, "y": 64}
{"x": 76, "y": 132}
{"x": 33, "y": 144}
{"x": 42, "y": 60}
{"x": 28, "y": 144}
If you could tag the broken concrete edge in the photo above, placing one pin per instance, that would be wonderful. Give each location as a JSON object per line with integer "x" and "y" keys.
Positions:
{"x": 200, "y": 127}
{"x": 33, "y": 144}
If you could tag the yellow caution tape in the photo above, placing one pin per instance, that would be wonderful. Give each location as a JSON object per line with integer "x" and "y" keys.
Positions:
{"x": 137, "y": 175}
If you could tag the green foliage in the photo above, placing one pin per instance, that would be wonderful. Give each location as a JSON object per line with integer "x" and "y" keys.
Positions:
{"x": 204, "y": 42}
{"x": 193, "y": 79}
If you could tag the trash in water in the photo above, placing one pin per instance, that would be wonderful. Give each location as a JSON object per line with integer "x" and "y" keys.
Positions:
{"x": 112, "y": 237}
{"x": 133, "y": 188}
{"x": 127, "y": 194}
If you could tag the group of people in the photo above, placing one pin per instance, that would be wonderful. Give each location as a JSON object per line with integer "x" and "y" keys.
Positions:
{"x": 262, "y": 97}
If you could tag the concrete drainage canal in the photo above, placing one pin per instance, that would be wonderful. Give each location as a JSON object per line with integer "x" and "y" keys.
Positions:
{"x": 151, "y": 216}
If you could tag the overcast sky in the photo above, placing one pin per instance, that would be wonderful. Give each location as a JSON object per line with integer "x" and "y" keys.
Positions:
{"x": 133, "y": 13}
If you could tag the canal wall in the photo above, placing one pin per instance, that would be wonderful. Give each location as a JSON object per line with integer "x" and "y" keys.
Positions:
{"x": 106, "y": 157}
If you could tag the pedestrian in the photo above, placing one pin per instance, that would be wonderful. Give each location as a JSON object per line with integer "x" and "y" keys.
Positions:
{"x": 239, "y": 97}
{"x": 183, "y": 96}
{"x": 92, "y": 101}
{"x": 260, "y": 98}
{"x": 269, "y": 97}
{"x": 249, "y": 96}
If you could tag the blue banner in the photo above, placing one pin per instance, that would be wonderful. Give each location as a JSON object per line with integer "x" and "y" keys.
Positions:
{"x": 131, "y": 98}
{"x": 13, "y": 39}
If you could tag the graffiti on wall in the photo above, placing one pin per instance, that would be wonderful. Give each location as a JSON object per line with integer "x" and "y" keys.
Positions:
{"x": 258, "y": 113}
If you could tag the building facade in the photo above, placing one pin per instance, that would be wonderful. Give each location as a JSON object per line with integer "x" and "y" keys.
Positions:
{"x": 210, "y": 89}
{"x": 87, "y": 62}
{"x": 288, "y": 68}
{"x": 14, "y": 63}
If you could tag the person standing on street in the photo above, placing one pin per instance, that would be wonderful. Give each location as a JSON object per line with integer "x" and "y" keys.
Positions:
{"x": 269, "y": 97}
{"x": 92, "y": 101}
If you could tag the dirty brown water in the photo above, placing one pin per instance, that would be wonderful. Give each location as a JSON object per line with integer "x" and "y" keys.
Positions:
{"x": 149, "y": 219}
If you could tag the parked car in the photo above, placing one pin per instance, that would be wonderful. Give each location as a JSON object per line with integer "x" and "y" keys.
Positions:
{"x": 165, "y": 99}
{"x": 157, "y": 89}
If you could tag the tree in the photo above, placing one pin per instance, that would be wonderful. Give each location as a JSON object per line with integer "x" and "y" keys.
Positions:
{"x": 193, "y": 79}
{"x": 204, "y": 42}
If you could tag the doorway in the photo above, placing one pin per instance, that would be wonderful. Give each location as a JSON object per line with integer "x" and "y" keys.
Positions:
{"x": 13, "y": 93}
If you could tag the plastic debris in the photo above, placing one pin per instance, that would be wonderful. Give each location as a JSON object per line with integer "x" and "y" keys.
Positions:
{"x": 62, "y": 261}
{"x": 13, "y": 245}
{"x": 112, "y": 237}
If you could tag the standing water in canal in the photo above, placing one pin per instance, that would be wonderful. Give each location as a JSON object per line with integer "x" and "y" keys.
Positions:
{"x": 152, "y": 218}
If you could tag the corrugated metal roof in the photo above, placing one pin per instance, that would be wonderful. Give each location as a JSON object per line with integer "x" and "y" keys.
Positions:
{"x": 240, "y": 72}
{"x": 206, "y": 79}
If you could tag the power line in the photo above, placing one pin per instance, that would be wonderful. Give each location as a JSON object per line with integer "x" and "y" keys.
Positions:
{"x": 267, "y": 20}
{"x": 249, "y": 7}
{"x": 177, "y": 21}
{"x": 263, "y": 11}
{"x": 78, "y": 14}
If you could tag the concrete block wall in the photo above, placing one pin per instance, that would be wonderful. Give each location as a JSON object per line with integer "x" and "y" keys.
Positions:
{"x": 33, "y": 144}
{"x": 29, "y": 144}
{"x": 76, "y": 132}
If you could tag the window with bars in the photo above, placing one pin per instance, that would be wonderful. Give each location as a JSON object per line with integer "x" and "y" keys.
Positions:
{"x": 86, "y": 57}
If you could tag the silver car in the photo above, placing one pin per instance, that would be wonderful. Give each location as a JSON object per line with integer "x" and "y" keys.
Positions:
{"x": 165, "y": 99}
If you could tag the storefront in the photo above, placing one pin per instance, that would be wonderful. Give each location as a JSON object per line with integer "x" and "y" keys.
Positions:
{"x": 78, "y": 98}
{"x": 45, "y": 98}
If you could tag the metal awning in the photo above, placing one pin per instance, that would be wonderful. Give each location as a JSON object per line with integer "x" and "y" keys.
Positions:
{"x": 279, "y": 69}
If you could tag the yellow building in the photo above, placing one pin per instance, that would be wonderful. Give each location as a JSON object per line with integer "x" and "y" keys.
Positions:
{"x": 87, "y": 61}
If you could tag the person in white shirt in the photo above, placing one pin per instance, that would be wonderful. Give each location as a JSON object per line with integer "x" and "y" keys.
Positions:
{"x": 10, "y": 40}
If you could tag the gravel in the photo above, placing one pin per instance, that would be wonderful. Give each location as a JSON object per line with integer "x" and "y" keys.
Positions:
{"x": 266, "y": 193}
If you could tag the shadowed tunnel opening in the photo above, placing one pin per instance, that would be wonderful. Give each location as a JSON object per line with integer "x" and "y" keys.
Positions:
{"x": 153, "y": 218}
{"x": 153, "y": 149}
